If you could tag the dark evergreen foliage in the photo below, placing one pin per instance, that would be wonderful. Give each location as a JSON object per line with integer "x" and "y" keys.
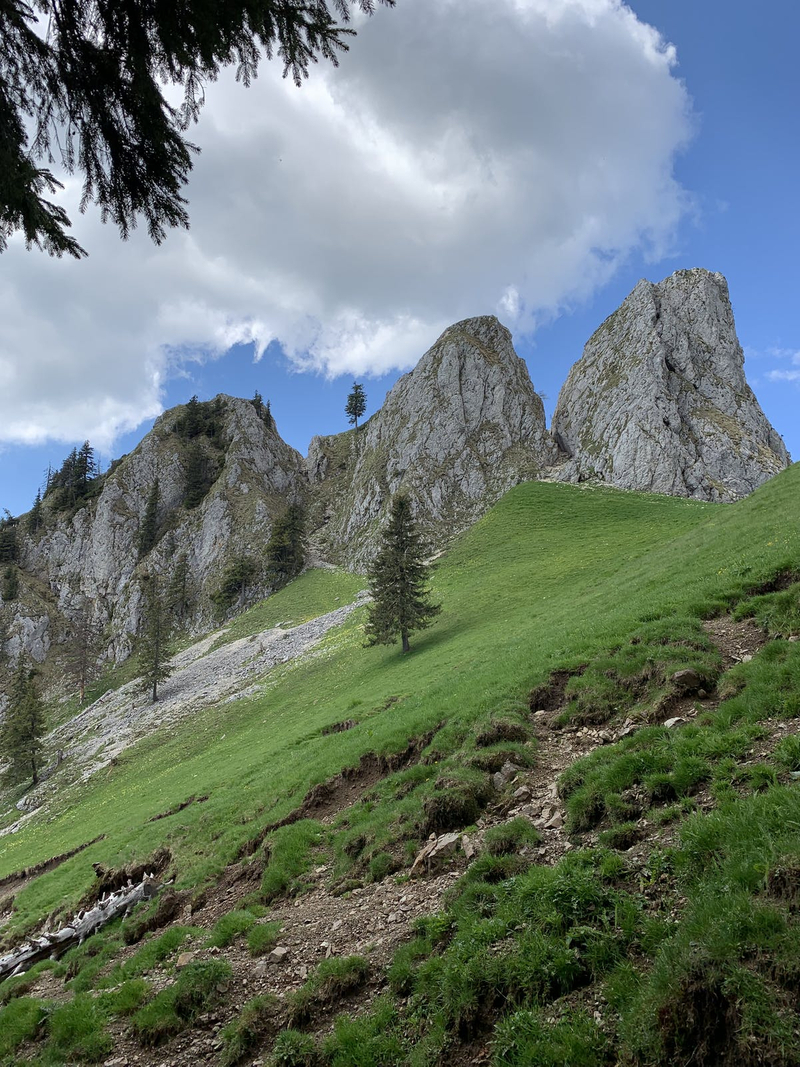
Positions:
{"x": 76, "y": 481}
{"x": 10, "y": 585}
{"x": 398, "y": 580}
{"x": 83, "y": 82}
{"x": 148, "y": 530}
{"x": 204, "y": 418}
{"x": 8, "y": 539}
{"x": 36, "y": 514}
{"x": 82, "y": 650}
{"x": 153, "y": 637}
{"x": 286, "y": 548}
{"x": 356, "y": 404}
{"x": 178, "y": 592}
{"x": 23, "y": 727}
{"x": 200, "y": 474}
{"x": 237, "y": 576}
{"x": 263, "y": 408}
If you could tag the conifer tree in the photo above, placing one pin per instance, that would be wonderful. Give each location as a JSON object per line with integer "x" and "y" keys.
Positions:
{"x": 36, "y": 514}
{"x": 107, "y": 90}
{"x": 23, "y": 727}
{"x": 198, "y": 475}
{"x": 148, "y": 531}
{"x": 286, "y": 548}
{"x": 153, "y": 636}
{"x": 237, "y": 576}
{"x": 10, "y": 585}
{"x": 8, "y": 537}
{"x": 356, "y": 404}
{"x": 178, "y": 599}
{"x": 398, "y": 581}
{"x": 82, "y": 650}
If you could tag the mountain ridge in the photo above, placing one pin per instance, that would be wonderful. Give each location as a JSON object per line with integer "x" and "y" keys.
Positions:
{"x": 658, "y": 402}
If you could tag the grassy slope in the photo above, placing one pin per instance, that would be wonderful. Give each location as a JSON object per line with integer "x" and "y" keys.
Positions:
{"x": 553, "y": 574}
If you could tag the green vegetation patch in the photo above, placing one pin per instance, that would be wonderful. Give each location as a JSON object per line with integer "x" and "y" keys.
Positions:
{"x": 333, "y": 979}
{"x": 241, "y": 1036}
{"x": 197, "y": 988}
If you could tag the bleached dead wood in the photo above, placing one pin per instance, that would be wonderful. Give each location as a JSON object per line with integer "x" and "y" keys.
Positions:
{"x": 51, "y": 945}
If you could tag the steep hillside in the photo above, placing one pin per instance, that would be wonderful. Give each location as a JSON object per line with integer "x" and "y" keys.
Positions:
{"x": 577, "y": 712}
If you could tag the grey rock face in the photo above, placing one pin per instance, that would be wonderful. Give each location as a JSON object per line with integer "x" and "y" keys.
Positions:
{"x": 458, "y": 431}
{"x": 659, "y": 401}
{"x": 92, "y": 558}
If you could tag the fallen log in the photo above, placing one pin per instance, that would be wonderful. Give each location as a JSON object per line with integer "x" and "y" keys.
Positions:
{"x": 51, "y": 945}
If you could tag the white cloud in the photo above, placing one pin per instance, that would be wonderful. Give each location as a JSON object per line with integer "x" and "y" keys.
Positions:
{"x": 465, "y": 158}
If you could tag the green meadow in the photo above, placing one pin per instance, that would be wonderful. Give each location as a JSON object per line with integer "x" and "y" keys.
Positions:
{"x": 552, "y": 575}
{"x": 690, "y": 949}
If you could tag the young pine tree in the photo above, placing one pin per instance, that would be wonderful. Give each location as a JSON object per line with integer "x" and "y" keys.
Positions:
{"x": 356, "y": 404}
{"x": 286, "y": 549}
{"x": 23, "y": 727}
{"x": 153, "y": 634}
{"x": 148, "y": 531}
{"x": 178, "y": 591}
{"x": 83, "y": 648}
{"x": 36, "y": 514}
{"x": 398, "y": 581}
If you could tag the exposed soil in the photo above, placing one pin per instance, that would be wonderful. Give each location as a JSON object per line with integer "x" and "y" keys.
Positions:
{"x": 373, "y": 920}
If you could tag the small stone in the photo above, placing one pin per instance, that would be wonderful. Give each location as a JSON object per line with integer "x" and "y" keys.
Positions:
{"x": 278, "y": 955}
{"x": 669, "y": 723}
{"x": 523, "y": 793}
{"x": 555, "y": 822}
{"x": 184, "y": 960}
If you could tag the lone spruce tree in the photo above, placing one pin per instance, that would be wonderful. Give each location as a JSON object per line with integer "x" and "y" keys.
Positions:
{"x": 82, "y": 651}
{"x": 356, "y": 404}
{"x": 153, "y": 639}
{"x": 398, "y": 581}
{"x": 148, "y": 530}
{"x": 286, "y": 550}
{"x": 23, "y": 727}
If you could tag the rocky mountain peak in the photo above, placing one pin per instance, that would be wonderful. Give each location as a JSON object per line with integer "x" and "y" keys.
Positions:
{"x": 659, "y": 401}
{"x": 456, "y": 432}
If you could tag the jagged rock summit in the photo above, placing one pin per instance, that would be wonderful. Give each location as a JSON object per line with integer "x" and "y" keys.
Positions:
{"x": 659, "y": 400}
{"x": 457, "y": 431}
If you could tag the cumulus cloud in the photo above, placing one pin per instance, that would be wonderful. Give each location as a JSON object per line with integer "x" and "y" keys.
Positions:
{"x": 464, "y": 158}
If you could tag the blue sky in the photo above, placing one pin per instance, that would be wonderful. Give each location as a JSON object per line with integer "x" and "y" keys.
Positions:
{"x": 634, "y": 162}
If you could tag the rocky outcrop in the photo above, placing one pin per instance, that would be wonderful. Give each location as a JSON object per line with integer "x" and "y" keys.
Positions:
{"x": 456, "y": 432}
{"x": 659, "y": 401}
{"x": 91, "y": 557}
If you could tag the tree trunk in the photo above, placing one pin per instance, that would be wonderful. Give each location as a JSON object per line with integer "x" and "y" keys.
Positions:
{"x": 404, "y": 635}
{"x": 51, "y": 946}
